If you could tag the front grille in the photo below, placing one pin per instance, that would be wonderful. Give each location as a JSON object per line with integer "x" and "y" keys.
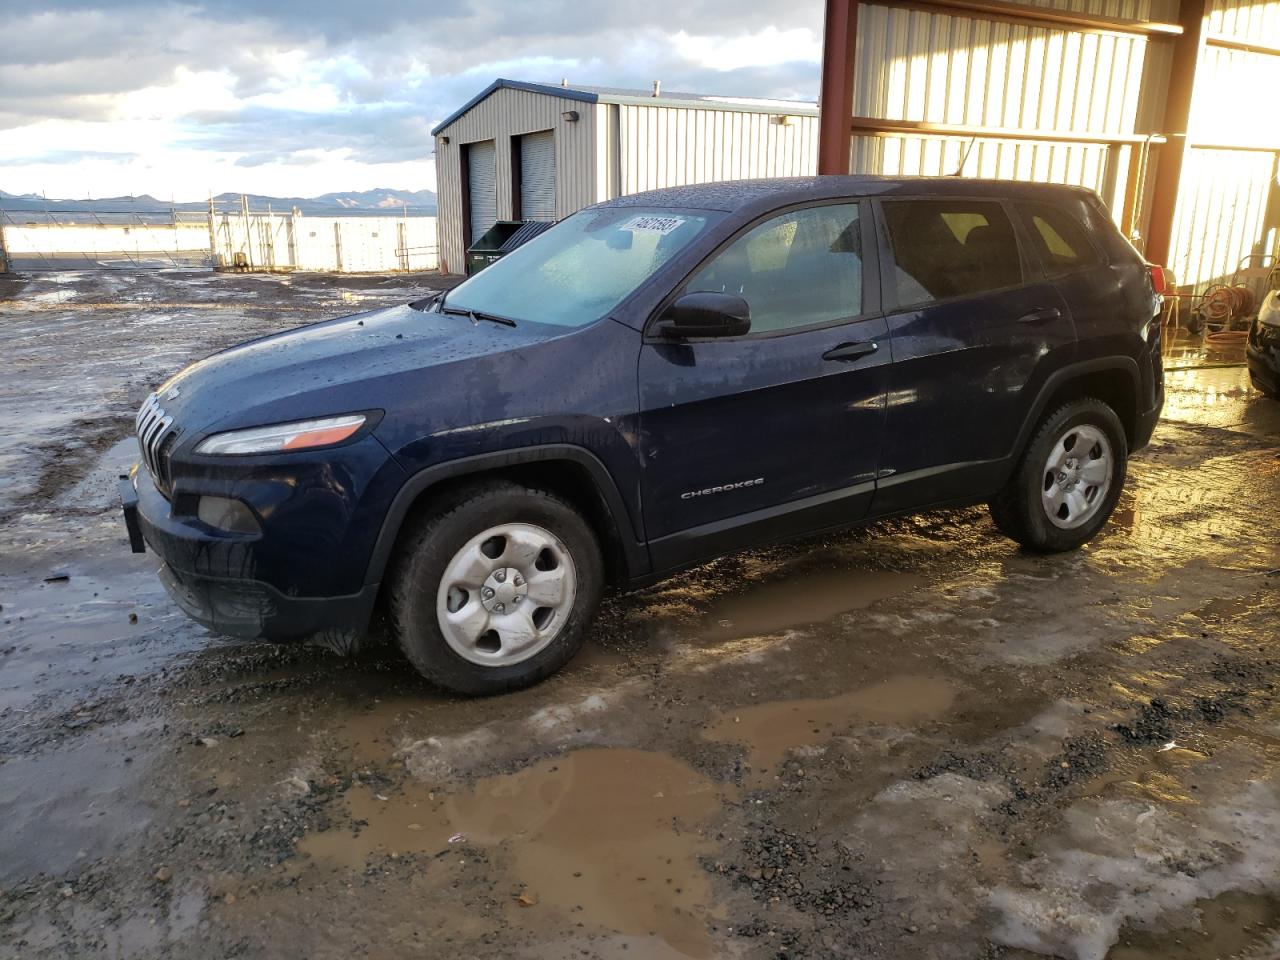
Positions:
{"x": 155, "y": 439}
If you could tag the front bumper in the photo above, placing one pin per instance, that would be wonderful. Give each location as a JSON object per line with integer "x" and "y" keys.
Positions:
{"x": 210, "y": 576}
{"x": 254, "y": 610}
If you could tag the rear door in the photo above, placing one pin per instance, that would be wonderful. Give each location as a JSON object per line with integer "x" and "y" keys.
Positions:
{"x": 482, "y": 187}
{"x": 751, "y": 438}
{"x": 975, "y": 329}
{"x": 538, "y": 176}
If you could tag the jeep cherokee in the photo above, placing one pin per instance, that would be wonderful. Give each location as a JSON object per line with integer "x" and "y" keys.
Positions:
{"x": 653, "y": 382}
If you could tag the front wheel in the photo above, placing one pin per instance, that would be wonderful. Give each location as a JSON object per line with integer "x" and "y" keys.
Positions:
{"x": 495, "y": 589}
{"x": 1068, "y": 480}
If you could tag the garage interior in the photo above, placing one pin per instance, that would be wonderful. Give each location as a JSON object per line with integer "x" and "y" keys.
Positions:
{"x": 1160, "y": 106}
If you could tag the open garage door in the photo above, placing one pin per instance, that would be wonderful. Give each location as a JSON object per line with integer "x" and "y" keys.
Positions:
{"x": 538, "y": 176}
{"x": 482, "y": 186}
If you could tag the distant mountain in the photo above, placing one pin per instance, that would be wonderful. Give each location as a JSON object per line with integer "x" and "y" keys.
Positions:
{"x": 381, "y": 200}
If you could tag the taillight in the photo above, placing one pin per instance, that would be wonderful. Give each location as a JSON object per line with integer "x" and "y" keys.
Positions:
{"x": 1159, "y": 281}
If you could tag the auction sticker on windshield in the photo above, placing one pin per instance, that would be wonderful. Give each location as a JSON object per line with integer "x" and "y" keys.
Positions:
{"x": 661, "y": 225}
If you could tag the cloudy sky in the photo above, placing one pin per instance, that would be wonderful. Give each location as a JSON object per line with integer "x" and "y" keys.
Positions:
{"x": 302, "y": 97}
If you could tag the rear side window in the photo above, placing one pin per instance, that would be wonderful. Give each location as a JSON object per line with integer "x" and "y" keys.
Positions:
{"x": 1060, "y": 240}
{"x": 796, "y": 270}
{"x": 951, "y": 248}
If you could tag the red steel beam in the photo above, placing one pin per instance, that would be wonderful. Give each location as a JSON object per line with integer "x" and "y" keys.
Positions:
{"x": 1044, "y": 16}
{"x": 1187, "y": 48}
{"x": 835, "y": 109}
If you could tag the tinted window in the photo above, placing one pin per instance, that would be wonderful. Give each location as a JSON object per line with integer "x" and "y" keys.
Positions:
{"x": 950, "y": 248}
{"x": 1061, "y": 241}
{"x": 801, "y": 268}
{"x": 582, "y": 267}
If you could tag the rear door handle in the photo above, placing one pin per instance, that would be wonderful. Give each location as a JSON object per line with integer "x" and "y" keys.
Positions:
{"x": 1042, "y": 315}
{"x": 851, "y": 351}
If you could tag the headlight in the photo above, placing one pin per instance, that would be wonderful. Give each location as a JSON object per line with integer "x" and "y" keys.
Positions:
{"x": 283, "y": 437}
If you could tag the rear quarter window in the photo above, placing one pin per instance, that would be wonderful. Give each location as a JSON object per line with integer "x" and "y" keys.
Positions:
{"x": 1059, "y": 239}
{"x": 950, "y": 248}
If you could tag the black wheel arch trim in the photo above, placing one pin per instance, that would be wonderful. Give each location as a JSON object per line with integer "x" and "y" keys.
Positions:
{"x": 634, "y": 553}
{"x": 1069, "y": 372}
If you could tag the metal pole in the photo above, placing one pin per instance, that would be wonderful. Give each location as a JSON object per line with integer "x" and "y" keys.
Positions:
{"x": 248, "y": 236}
{"x": 1187, "y": 51}
{"x": 213, "y": 237}
{"x": 4, "y": 260}
{"x": 271, "y": 240}
{"x": 835, "y": 108}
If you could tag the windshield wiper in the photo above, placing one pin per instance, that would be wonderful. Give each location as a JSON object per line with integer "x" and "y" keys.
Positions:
{"x": 427, "y": 302}
{"x": 476, "y": 315}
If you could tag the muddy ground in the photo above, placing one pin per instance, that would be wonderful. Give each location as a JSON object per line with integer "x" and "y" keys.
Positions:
{"x": 910, "y": 741}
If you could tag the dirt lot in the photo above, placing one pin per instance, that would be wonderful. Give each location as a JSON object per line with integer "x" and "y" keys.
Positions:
{"x": 911, "y": 741}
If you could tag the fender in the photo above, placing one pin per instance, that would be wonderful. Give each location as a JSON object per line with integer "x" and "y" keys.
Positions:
{"x": 633, "y": 550}
{"x": 1069, "y": 372}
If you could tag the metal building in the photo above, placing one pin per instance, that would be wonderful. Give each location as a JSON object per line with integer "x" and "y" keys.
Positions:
{"x": 1166, "y": 107}
{"x": 528, "y": 151}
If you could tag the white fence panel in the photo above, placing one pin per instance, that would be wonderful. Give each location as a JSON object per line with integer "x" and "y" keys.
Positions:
{"x": 326, "y": 244}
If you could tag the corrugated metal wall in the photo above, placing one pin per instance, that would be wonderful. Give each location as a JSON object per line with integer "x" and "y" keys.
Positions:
{"x": 660, "y": 146}
{"x": 934, "y": 67}
{"x": 1228, "y": 200}
{"x": 503, "y": 114}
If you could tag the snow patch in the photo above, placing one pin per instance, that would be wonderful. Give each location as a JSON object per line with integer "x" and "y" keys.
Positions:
{"x": 1122, "y": 861}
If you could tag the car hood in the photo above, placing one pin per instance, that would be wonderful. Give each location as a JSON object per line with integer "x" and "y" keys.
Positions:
{"x": 336, "y": 366}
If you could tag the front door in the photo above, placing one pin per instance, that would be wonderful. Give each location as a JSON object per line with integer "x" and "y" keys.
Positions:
{"x": 776, "y": 432}
{"x": 975, "y": 330}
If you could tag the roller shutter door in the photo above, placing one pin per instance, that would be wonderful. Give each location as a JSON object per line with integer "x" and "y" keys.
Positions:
{"x": 538, "y": 176}
{"x": 482, "y": 185}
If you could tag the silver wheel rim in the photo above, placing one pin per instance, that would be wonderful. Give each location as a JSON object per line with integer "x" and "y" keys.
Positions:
{"x": 1077, "y": 477}
{"x": 506, "y": 594}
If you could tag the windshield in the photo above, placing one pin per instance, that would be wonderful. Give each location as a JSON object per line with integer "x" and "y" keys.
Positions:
{"x": 582, "y": 268}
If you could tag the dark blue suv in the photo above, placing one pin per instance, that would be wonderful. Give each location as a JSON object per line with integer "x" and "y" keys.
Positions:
{"x": 653, "y": 382}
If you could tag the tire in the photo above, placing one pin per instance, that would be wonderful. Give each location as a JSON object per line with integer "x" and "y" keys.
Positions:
{"x": 493, "y": 627}
{"x": 1053, "y": 510}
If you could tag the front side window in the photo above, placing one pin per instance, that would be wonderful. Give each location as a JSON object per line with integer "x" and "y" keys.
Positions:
{"x": 798, "y": 269}
{"x": 1061, "y": 241}
{"x": 583, "y": 267}
{"x": 950, "y": 248}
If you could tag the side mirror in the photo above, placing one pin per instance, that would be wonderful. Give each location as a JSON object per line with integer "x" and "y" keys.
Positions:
{"x": 705, "y": 314}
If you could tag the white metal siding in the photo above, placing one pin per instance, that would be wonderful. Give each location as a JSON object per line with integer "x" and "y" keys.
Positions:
{"x": 538, "y": 176}
{"x": 663, "y": 146}
{"x": 503, "y": 114}
{"x": 482, "y": 174}
{"x": 933, "y": 67}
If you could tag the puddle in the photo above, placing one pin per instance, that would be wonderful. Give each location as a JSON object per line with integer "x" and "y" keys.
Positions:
{"x": 72, "y": 803}
{"x": 610, "y": 837}
{"x": 1229, "y": 925}
{"x": 769, "y": 730}
{"x": 804, "y": 598}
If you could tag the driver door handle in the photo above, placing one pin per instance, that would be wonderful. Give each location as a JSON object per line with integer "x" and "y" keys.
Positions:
{"x": 1041, "y": 316}
{"x": 851, "y": 351}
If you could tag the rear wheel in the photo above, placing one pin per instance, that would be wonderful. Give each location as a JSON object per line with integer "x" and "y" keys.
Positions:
{"x": 495, "y": 589}
{"x": 1068, "y": 481}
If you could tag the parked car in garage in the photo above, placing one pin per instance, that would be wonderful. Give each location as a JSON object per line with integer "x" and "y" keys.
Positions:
{"x": 655, "y": 381}
{"x": 1262, "y": 351}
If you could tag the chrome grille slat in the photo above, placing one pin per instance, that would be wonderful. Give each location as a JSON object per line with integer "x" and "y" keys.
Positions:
{"x": 152, "y": 425}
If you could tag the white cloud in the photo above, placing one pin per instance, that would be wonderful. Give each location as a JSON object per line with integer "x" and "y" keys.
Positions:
{"x": 182, "y": 98}
{"x": 768, "y": 47}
